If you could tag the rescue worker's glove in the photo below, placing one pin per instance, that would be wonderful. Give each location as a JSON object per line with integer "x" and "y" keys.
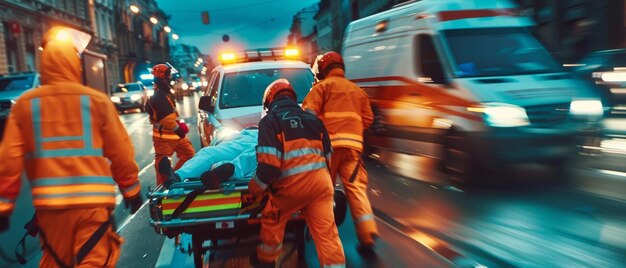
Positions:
{"x": 134, "y": 203}
{"x": 4, "y": 223}
{"x": 182, "y": 129}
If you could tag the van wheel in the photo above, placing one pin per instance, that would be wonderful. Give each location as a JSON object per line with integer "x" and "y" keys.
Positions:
{"x": 458, "y": 161}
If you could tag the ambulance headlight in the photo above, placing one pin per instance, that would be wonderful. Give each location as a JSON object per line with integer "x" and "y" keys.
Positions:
{"x": 586, "y": 108}
{"x": 502, "y": 114}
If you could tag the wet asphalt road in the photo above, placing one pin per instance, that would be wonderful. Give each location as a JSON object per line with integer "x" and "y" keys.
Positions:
{"x": 528, "y": 219}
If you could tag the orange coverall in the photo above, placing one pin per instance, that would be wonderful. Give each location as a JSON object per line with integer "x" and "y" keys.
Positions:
{"x": 61, "y": 134}
{"x": 292, "y": 157}
{"x": 345, "y": 110}
{"x": 162, "y": 111}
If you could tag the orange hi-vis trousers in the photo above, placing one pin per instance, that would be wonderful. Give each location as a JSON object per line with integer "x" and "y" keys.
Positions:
{"x": 343, "y": 163}
{"x": 166, "y": 148}
{"x": 313, "y": 196}
{"x": 66, "y": 230}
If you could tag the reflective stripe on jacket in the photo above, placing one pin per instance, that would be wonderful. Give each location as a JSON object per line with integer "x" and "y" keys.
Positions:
{"x": 292, "y": 144}
{"x": 343, "y": 107}
{"x": 69, "y": 141}
{"x": 161, "y": 109}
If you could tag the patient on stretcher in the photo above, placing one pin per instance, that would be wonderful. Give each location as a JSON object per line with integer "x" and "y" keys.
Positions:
{"x": 233, "y": 158}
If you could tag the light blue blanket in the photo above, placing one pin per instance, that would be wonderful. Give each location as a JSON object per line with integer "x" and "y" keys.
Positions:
{"x": 239, "y": 149}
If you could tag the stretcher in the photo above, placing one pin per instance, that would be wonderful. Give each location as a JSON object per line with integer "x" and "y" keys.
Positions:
{"x": 219, "y": 216}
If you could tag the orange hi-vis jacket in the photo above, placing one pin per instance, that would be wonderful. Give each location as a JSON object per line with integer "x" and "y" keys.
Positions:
{"x": 293, "y": 145}
{"x": 61, "y": 134}
{"x": 343, "y": 107}
{"x": 162, "y": 111}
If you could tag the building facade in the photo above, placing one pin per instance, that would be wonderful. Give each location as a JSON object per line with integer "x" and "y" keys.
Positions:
{"x": 142, "y": 38}
{"x": 23, "y": 23}
{"x": 570, "y": 29}
{"x": 132, "y": 42}
{"x": 303, "y": 33}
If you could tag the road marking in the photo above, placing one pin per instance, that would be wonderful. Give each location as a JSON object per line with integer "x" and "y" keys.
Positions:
{"x": 118, "y": 195}
{"x": 613, "y": 172}
{"x": 131, "y": 217}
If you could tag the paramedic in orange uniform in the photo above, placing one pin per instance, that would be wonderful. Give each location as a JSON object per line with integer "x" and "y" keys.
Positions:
{"x": 168, "y": 133}
{"x": 345, "y": 110}
{"x": 63, "y": 135}
{"x": 292, "y": 155}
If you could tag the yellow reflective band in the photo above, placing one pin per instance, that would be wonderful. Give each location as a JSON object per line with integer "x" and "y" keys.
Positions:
{"x": 202, "y": 197}
{"x": 73, "y": 189}
{"x": 205, "y": 208}
{"x": 352, "y": 115}
{"x": 347, "y": 136}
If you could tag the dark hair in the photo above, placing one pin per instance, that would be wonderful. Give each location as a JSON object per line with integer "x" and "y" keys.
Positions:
{"x": 288, "y": 93}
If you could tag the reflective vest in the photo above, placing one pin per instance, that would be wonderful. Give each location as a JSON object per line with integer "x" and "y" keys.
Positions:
{"x": 343, "y": 107}
{"x": 293, "y": 144}
{"x": 64, "y": 134}
{"x": 162, "y": 111}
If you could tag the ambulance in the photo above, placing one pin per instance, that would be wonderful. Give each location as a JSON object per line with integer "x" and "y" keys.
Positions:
{"x": 467, "y": 83}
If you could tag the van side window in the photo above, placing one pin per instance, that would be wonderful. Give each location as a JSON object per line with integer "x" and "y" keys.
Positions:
{"x": 428, "y": 60}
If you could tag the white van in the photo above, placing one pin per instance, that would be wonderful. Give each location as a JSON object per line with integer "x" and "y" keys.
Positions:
{"x": 466, "y": 82}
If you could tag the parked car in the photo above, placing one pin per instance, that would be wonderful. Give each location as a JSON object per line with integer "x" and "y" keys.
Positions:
{"x": 129, "y": 96}
{"x": 606, "y": 69}
{"x": 11, "y": 87}
{"x": 232, "y": 100}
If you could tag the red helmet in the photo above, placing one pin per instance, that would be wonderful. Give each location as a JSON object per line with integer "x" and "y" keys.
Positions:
{"x": 328, "y": 59}
{"x": 279, "y": 86}
{"x": 162, "y": 71}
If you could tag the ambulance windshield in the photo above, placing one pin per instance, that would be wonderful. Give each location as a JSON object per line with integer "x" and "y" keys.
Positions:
{"x": 497, "y": 52}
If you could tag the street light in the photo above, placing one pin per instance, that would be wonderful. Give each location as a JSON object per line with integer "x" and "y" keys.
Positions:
{"x": 134, "y": 9}
{"x": 154, "y": 20}
{"x": 167, "y": 29}
{"x": 175, "y": 36}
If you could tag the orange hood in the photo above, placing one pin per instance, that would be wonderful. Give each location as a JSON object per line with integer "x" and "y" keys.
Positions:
{"x": 60, "y": 63}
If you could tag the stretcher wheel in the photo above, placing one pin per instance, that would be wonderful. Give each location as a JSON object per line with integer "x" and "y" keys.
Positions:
{"x": 198, "y": 251}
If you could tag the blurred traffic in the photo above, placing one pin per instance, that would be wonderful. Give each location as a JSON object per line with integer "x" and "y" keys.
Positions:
{"x": 498, "y": 133}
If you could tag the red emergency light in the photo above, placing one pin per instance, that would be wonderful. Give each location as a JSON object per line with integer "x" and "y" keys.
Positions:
{"x": 476, "y": 13}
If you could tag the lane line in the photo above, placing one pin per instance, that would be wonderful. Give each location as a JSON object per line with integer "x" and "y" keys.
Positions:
{"x": 118, "y": 195}
{"x": 131, "y": 217}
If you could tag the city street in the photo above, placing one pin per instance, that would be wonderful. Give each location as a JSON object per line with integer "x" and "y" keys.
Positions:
{"x": 529, "y": 218}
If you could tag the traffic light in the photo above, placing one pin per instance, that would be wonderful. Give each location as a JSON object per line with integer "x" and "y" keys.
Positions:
{"x": 205, "y": 17}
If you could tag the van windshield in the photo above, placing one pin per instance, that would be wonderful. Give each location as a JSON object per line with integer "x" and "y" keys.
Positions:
{"x": 497, "y": 52}
{"x": 241, "y": 89}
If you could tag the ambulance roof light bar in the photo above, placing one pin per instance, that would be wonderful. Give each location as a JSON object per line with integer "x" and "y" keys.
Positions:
{"x": 259, "y": 55}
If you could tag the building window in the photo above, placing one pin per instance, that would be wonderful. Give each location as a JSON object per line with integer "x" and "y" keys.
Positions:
{"x": 29, "y": 47}
{"x": 10, "y": 44}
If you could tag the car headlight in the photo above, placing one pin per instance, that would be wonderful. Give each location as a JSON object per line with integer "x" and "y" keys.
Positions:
{"x": 586, "y": 107}
{"x": 185, "y": 86}
{"x": 150, "y": 93}
{"x": 135, "y": 97}
{"x": 115, "y": 99}
{"x": 502, "y": 114}
{"x": 194, "y": 84}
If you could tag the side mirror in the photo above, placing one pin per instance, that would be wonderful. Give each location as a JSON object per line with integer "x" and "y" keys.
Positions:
{"x": 205, "y": 104}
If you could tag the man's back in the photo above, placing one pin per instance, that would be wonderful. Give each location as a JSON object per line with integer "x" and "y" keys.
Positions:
{"x": 343, "y": 107}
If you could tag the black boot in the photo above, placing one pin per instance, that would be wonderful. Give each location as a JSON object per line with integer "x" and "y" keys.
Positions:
{"x": 165, "y": 168}
{"x": 213, "y": 178}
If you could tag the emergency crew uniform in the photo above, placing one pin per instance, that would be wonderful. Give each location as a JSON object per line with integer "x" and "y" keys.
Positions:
{"x": 345, "y": 110}
{"x": 162, "y": 111}
{"x": 292, "y": 153}
{"x": 61, "y": 134}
